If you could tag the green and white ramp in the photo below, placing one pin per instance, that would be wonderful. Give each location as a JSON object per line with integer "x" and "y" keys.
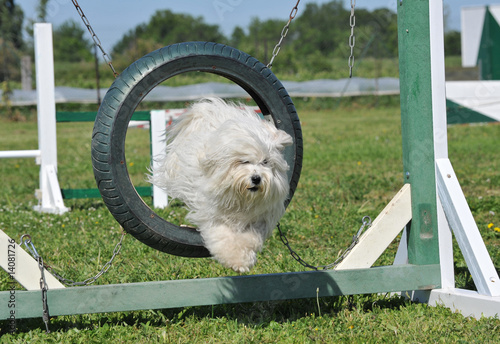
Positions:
{"x": 473, "y": 101}
{"x": 481, "y": 40}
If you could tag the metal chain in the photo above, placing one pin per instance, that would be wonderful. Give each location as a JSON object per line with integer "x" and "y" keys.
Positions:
{"x": 366, "y": 222}
{"x": 43, "y": 282}
{"x": 352, "y": 38}
{"x": 90, "y": 280}
{"x": 96, "y": 39}
{"x": 44, "y": 288}
{"x": 70, "y": 282}
{"x": 26, "y": 240}
{"x": 284, "y": 32}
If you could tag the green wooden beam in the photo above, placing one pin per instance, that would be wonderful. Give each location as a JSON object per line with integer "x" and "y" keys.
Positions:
{"x": 417, "y": 128}
{"x": 221, "y": 290}
{"x": 144, "y": 191}
{"x": 74, "y": 116}
{"x": 89, "y": 116}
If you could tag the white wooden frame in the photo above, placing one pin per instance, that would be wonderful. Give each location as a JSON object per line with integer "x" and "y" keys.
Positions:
{"x": 454, "y": 215}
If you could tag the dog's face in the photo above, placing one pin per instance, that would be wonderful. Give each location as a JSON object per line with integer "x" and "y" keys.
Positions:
{"x": 245, "y": 164}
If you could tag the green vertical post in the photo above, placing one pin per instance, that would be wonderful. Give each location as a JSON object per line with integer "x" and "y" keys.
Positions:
{"x": 417, "y": 128}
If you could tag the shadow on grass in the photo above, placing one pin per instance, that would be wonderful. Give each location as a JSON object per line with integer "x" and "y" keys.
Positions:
{"x": 255, "y": 314}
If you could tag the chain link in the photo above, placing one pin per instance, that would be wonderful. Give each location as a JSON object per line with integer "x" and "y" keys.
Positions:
{"x": 284, "y": 32}
{"x": 44, "y": 288}
{"x": 352, "y": 38}
{"x": 366, "y": 222}
{"x": 96, "y": 39}
{"x": 90, "y": 280}
{"x": 26, "y": 240}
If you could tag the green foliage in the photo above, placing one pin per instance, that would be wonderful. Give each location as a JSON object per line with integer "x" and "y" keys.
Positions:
{"x": 71, "y": 43}
{"x": 452, "y": 45}
{"x": 164, "y": 28}
{"x": 352, "y": 167}
{"x": 6, "y": 106}
{"x": 41, "y": 10}
{"x": 322, "y": 29}
{"x": 11, "y": 39}
{"x": 11, "y": 22}
{"x": 318, "y": 34}
{"x": 261, "y": 39}
{"x": 41, "y": 16}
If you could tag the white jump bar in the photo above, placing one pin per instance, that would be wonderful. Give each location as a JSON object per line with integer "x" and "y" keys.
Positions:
{"x": 35, "y": 153}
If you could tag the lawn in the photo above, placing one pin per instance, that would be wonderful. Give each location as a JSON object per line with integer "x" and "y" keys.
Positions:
{"x": 352, "y": 167}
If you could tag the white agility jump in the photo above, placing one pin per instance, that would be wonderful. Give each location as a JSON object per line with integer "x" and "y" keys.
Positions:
{"x": 49, "y": 194}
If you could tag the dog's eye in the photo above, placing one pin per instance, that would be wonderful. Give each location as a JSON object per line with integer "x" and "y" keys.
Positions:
{"x": 265, "y": 162}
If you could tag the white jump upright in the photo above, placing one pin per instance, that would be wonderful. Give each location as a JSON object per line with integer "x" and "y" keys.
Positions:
{"x": 454, "y": 217}
{"x": 486, "y": 300}
{"x": 158, "y": 124}
{"x": 49, "y": 194}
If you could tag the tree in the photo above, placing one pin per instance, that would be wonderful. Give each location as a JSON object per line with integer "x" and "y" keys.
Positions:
{"x": 322, "y": 28}
{"x": 452, "y": 43}
{"x": 70, "y": 44}
{"x": 261, "y": 39}
{"x": 326, "y": 29}
{"x": 41, "y": 10}
{"x": 11, "y": 39}
{"x": 165, "y": 28}
{"x": 11, "y": 23}
{"x": 238, "y": 36}
{"x": 41, "y": 13}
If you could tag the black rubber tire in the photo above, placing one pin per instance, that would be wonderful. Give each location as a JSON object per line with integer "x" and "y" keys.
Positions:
{"x": 120, "y": 102}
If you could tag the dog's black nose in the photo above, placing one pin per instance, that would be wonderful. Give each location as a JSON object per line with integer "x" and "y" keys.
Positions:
{"x": 256, "y": 179}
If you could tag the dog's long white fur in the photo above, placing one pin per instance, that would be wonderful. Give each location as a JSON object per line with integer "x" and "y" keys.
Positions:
{"x": 226, "y": 164}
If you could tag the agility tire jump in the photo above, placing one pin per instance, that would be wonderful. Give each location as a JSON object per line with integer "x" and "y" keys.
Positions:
{"x": 123, "y": 97}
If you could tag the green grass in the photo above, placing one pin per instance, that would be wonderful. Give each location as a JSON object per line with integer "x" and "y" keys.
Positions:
{"x": 352, "y": 167}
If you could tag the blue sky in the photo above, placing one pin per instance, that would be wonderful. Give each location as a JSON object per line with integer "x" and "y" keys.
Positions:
{"x": 111, "y": 19}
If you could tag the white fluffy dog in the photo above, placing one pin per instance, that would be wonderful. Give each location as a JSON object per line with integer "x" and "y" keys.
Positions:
{"x": 226, "y": 164}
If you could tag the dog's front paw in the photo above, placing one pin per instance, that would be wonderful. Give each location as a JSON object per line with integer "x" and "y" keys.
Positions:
{"x": 233, "y": 249}
{"x": 240, "y": 269}
{"x": 244, "y": 263}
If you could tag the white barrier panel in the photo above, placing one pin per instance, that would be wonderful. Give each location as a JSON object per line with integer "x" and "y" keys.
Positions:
{"x": 482, "y": 96}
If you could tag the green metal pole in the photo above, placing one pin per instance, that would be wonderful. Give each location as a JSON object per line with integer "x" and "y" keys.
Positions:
{"x": 417, "y": 128}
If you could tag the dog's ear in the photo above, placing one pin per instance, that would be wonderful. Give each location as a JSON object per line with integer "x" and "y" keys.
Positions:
{"x": 282, "y": 139}
{"x": 215, "y": 159}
